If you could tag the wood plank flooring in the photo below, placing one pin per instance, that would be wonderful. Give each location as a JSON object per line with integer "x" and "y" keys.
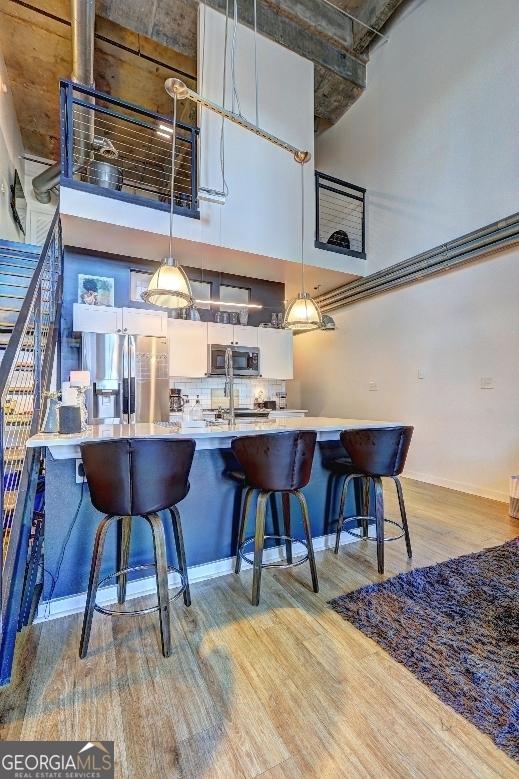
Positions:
{"x": 282, "y": 691}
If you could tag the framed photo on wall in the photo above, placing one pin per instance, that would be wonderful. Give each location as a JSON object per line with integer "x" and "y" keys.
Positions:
{"x": 95, "y": 290}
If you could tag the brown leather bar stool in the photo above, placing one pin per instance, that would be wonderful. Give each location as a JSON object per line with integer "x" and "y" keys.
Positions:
{"x": 274, "y": 463}
{"x": 137, "y": 477}
{"x": 373, "y": 454}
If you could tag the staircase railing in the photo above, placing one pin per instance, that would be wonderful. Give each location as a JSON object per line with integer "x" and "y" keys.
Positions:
{"x": 25, "y": 378}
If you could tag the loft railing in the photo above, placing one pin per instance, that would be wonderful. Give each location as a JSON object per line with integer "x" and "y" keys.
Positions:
{"x": 114, "y": 148}
{"x": 340, "y": 213}
{"x": 25, "y": 377}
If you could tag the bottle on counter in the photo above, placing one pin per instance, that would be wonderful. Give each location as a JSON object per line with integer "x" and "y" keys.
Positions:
{"x": 197, "y": 414}
{"x": 186, "y": 410}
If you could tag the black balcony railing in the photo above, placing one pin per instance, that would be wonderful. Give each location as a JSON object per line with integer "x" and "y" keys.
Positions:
{"x": 339, "y": 216}
{"x": 120, "y": 150}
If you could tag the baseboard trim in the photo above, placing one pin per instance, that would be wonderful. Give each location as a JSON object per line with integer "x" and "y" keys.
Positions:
{"x": 459, "y": 486}
{"x": 75, "y": 604}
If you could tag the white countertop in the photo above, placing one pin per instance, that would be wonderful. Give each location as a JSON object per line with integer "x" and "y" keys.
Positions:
{"x": 64, "y": 447}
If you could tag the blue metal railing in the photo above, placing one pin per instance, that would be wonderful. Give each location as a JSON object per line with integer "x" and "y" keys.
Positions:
{"x": 25, "y": 376}
{"x": 117, "y": 149}
{"x": 340, "y": 216}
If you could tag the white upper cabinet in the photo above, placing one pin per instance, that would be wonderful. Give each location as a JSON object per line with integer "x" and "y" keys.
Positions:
{"x": 234, "y": 335}
{"x": 219, "y": 334}
{"x": 276, "y": 353}
{"x": 187, "y": 348}
{"x": 245, "y": 336}
{"x": 142, "y": 321}
{"x": 97, "y": 319}
{"x": 107, "y": 319}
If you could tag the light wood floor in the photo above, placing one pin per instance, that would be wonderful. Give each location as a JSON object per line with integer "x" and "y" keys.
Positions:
{"x": 285, "y": 690}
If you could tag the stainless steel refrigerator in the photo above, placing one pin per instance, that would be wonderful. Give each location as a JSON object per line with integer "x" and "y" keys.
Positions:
{"x": 129, "y": 378}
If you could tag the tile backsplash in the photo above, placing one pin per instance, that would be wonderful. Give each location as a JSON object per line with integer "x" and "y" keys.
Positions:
{"x": 246, "y": 388}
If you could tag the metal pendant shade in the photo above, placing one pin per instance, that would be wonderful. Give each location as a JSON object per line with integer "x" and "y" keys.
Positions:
{"x": 302, "y": 313}
{"x": 169, "y": 286}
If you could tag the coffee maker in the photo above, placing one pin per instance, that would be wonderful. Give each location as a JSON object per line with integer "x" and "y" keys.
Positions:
{"x": 176, "y": 401}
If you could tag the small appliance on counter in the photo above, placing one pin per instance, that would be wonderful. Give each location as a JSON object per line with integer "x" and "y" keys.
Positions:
{"x": 282, "y": 400}
{"x": 261, "y": 403}
{"x": 176, "y": 401}
{"x": 69, "y": 420}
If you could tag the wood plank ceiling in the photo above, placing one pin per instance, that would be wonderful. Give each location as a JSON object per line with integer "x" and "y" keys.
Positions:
{"x": 138, "y": 44}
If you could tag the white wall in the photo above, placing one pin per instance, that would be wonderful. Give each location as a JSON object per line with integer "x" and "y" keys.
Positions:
{"x": 434, "y": 140}
{"x": 11, "y": 150}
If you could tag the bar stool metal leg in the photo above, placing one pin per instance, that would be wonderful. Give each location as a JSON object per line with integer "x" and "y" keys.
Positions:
{"x": 259, "y": 539}
{"x": 249, "y": 492}
{"x": 286, "y": 522}
{"x": 161, "y": 573}
{"x": 181, "y": 552}
{"x": 308, "y": 532}
{"x": 124, "y": 528}
{"x": 341, "y": 514}
{"x": 342, "y": 505}
{"x": 93, "y": 581}
{"x": 379, "y": 516}
{"x": 366, "y": 488}
{"x": 403, "y": 515}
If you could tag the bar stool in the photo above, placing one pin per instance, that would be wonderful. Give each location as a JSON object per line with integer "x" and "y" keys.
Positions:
{"x": 373, "y": 454}
{"x": 274, "y": 463}
{"x": 137, "y": 477}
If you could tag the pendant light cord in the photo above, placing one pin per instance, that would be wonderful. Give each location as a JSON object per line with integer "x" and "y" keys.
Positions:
{"x": 235, "y": 96}
{"x": 256, "y": 58}
{"x": 302, "y": 228}
{"x": 172, "y": 191}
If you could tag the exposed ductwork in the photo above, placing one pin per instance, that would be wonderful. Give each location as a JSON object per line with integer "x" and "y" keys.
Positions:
{"x": 82, "y": 17}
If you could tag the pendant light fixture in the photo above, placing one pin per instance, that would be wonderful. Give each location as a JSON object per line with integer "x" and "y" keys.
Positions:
{"x": 302, "y": 313}
{"x": 169, "y": 286}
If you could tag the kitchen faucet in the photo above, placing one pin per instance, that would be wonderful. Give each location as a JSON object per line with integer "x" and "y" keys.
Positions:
{"x": 229, "y": 385}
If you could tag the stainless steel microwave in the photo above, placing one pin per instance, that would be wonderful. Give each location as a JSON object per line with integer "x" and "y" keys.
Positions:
{"x": 245, "y": 360}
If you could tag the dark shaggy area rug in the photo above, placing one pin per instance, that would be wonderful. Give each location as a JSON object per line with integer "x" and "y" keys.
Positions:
{"x": 455, "y": 625}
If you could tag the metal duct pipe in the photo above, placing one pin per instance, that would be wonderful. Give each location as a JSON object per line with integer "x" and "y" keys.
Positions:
{"x": 82, "y": 17}
{"x": 45, "y": 181}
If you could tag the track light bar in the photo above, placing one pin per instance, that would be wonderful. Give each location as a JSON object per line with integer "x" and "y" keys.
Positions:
{"x": 177, "y": 88}
{"x": 227, "y": 304}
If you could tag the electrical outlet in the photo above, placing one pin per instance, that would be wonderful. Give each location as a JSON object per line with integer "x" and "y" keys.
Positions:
{"x": 487, "y": 382}
{"x": 372, "y": 386}
{"x": 80, "y": 472}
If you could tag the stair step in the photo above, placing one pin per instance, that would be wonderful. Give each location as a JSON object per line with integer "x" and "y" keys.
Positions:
{"x": 20, "y": 271}
{"x": 14, "y": 454}
{"x": 13, "y": 279}
{"x": 18, "y": 417}
{"x": 28, "y": 390}
{"x": 4, "y": 297}
{"x": 32, "y": 248}
{"x": 8, "y": 316}
{"x": 18, "y": 260}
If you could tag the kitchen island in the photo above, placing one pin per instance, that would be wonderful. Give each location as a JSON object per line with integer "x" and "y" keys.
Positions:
{"x": 210, "y": 511}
